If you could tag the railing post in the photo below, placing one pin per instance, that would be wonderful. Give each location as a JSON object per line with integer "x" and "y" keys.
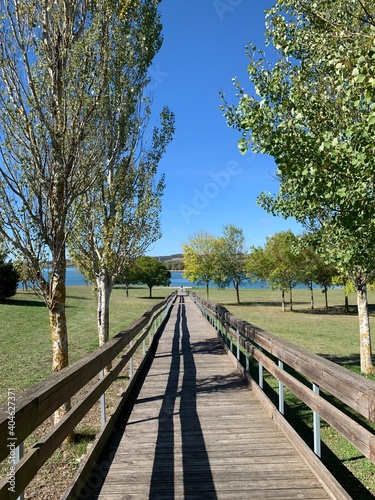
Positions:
{"x": 131, "y": 363}
{"x": 238, "y": 345}
{"x": 102, "y": 402}
{"x": 316, "y": 420}
{"x": 144, "y": 343}
{"x": 281, "y": 390}
{"x": 247, "y": 358}
{"x": 19, "y": 455}
{"x": 260, "y": 371}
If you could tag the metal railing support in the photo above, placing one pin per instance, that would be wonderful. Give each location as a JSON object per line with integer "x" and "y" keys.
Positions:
{"x": 102, "y": 402}
{"x": 316, "y": 423}
{"x": 281, "y": 390}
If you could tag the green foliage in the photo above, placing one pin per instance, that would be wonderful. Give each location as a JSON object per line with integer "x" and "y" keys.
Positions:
{"x": 231, "y": 259}
{"x": 312, "y": 112}
{"x": 280, "y": 265}
{"x": 9, "y": 278}
{"x": 201, "y": 258}
{"x": 117, "y": 218}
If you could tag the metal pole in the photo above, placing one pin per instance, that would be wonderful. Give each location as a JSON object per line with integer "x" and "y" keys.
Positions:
{"x": 247, "y": 358}
{"x": 316, "y": 420}
{"x": 238, "y": 345}
{"x": 281, "y": 391}
{"x": 131, "y": 363}
{"x": 144, "y": 343}
{"x": 102, "y": 402}
{"x": 19, "y": 455}
{"x": 260, "y": 372}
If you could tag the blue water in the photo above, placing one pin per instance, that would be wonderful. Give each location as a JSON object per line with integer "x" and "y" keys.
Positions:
{"x": 75, "y": 278}
{"x": 178, "y": 280}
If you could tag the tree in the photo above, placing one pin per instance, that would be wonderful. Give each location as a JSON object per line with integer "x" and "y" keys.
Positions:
{"x": 200, "y": 259}
{"x": 117, "y": 218}
{"x": 324, "y": 276}
{"x": 54, "y": 68}
{"x": 231, "y": 258}
{"x": 127, "y": 277}
{"x": 151, "y": 272}
{"x": 314, "y": 267}
{"x": 9, "y": 279}
{"x": 314, "y": 114}
{"x": 284, "y": 263}
{"x": 309, "y": 263}
{"x": 258, "y": 264}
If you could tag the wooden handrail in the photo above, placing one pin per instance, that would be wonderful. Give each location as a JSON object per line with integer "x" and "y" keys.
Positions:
{"x": 356, "y": 391}
{"x": 34, "y": 405}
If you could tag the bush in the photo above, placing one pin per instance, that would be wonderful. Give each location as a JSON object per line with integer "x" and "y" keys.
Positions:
{"x": 9, "y": 279}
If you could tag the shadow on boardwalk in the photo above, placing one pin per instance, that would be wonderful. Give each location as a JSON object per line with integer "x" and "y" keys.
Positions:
{"x": 163, "y": 468}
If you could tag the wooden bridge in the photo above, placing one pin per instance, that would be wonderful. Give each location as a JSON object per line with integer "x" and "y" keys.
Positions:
{"x": 195, "y": 430}
{"x": 195, "y": 424}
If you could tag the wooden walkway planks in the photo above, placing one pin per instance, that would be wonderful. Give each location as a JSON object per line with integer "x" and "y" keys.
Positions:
{"x": 196, "y": 431}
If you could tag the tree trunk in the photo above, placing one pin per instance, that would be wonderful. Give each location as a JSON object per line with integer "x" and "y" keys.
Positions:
{"x": 57, "y": 318}
{"x": 237, "y": 293}
{"x": 326, "y": 296}
{"x": 150, "y": 288}
{"x": 311, "y": 296}
{"x": 291, "y": 299}
{"x": 104, "y": 294}
{"x": 364, "y": 330}
{"x": 207, "y": 290}
{"x": 283, "y": 299}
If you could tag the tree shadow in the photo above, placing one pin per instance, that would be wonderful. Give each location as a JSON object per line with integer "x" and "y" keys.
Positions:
{"x": 276, "y": 303}
{"x": 351, "y": 360}
{"x": 331, "y": 311}
{"x": 24, "y": 302}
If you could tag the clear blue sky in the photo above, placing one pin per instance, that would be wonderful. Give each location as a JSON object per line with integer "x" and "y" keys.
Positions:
{"x": 208, "y": 183}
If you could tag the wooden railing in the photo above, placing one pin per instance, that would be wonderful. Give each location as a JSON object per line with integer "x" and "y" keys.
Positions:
{"x": 19, "y": 417}
{"x": 295, "y": 368}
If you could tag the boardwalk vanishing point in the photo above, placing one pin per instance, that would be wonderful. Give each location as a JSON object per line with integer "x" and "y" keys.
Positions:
{"x": 195, "y": 431}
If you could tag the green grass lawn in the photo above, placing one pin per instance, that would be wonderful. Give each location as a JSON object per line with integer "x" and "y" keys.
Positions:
{"x": 331, "y": 333}
{"x": 25, "y": 337}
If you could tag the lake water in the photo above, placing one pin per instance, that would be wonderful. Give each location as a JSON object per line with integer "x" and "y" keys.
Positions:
{"x": 74, "y": 277}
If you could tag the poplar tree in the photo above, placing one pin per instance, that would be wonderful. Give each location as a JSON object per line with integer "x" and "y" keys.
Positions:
{"x": 55, "y": 61}
{"x": 117, "y": 218}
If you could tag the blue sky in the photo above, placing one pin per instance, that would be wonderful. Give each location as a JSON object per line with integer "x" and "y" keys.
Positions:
{"x": 208, "y": 183}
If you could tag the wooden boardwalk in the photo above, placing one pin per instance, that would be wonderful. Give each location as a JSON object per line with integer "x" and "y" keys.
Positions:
{"x": 195, "y": 430}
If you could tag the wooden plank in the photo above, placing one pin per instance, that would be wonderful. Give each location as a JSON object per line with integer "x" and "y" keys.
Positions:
{"x": 195, "y": 430}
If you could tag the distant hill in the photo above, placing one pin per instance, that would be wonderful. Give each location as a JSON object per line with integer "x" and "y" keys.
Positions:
{"x": 173, "y": 262}
{"x": 175, "y": 256}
